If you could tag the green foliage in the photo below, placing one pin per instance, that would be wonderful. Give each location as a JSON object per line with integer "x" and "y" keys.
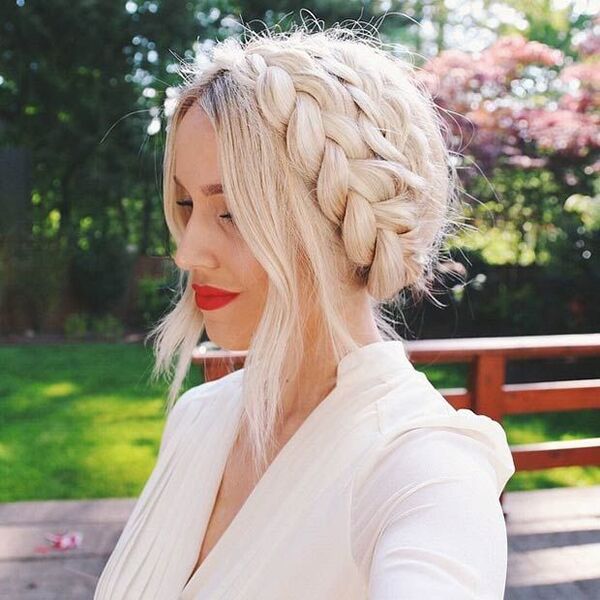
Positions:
{"x": 153, "y": 299}
{"x": 100, "y": 272}
{"x": 83, "y": 87}
{"x": 107, "y": 327}
{"x": 76, "y": 326}
{"x": 31, "y": 277}
{"x": 587, "y": 208}
{"x": 520, "y": 216}
{"x": 85, "y": 325}
{"x": 515, "y": 300}
{"x": 546, "y": 22}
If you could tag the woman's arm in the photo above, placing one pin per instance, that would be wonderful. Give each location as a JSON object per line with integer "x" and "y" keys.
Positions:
{"x": 432, "y": 524}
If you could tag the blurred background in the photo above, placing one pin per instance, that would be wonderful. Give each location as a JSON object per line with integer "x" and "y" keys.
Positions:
{"x": 85, "y": 267}
{"x": 84, "y": 87}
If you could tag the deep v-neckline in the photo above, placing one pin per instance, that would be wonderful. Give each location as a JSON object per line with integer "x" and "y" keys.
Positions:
{"x": 351, "y": 373}
{"x": 246, "y": 507}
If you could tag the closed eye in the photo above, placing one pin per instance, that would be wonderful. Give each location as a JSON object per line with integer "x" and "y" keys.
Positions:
{"x": 188, "y": 203}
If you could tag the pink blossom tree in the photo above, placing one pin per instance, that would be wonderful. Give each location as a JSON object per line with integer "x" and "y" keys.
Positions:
{"x": 524, "y": 123}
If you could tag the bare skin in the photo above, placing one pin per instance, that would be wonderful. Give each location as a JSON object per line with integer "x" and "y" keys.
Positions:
{"x": 215, "y": 254}
{"x": 236, "y": 485}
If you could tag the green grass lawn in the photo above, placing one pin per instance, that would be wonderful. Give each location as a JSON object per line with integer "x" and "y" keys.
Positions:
{"x": 82, "y": 421}
{"x": 78, "y": 420}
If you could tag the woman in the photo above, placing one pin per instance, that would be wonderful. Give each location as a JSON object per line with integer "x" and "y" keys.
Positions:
{"x": 306, "y": 182}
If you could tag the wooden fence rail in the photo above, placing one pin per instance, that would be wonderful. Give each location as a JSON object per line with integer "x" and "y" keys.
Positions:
{"x": 487, "y": 392}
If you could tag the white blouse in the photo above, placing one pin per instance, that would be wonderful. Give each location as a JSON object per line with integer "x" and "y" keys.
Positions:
{"x": 384, "y": 492}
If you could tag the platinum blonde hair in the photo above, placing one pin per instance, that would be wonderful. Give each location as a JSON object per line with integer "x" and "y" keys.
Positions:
{"x": 347, "y": 180}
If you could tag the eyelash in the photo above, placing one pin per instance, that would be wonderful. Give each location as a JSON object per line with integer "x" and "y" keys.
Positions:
{"x": 226, "y": 216}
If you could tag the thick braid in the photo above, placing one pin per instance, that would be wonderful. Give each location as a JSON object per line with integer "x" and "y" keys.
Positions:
{"x": 362, "y": 137}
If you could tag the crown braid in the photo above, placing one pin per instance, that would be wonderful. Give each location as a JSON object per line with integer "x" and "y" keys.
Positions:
{"x": 361, "y": 135}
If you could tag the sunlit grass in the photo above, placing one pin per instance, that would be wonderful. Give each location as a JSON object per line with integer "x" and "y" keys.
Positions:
{"x": 78, "y": 421}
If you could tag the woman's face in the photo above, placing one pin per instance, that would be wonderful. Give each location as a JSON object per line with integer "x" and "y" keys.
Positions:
{"x": 212, "y": 249}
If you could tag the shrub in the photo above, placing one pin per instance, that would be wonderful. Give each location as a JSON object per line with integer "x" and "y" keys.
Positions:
{"x": 100, "y": 270}
{"x": 152, "y": 299}
{"x": 76, "y": 326}
{"x": 107, "y": 327}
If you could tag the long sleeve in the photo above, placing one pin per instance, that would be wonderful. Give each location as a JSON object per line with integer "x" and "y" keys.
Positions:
{"x": 428, "y": 522}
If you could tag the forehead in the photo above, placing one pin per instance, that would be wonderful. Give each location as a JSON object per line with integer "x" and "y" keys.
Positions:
{"x": 196, "y": 153}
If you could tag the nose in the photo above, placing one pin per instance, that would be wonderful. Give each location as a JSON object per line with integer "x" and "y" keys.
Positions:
{"x": 194, "y": 254}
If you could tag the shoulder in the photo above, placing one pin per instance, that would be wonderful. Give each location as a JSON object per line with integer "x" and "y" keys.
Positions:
{"x": 416, "y": 420}
{"x": 208, "y": 389}
{"x": 429, "y": 486}
{"x": 199, "y": 398}
{"x": 412, "y": 398}
{"x": 428, "y": 517}
{"x": 445, "y": 461}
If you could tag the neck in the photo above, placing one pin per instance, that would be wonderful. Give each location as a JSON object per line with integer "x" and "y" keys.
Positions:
{"x": 317, "y": 373}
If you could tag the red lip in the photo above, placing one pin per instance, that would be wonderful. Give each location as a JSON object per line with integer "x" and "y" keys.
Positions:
{"x": 211, "y": 298}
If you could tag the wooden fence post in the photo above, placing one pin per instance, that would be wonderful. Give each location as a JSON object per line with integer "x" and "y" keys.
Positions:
{"x": 487, "y": 376}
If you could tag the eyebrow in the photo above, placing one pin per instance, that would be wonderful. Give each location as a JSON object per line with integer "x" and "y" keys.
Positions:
{"x": 210, "y": 189}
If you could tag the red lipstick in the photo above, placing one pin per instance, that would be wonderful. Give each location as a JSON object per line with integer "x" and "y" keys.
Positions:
{"x": 211, "y": 298}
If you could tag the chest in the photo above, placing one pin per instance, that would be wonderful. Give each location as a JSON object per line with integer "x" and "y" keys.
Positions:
{"x": 236, "y": 486}
{"x": 304, "y": 556}
{"x": 237, "y": 483}
{"x": 285, "y": 534}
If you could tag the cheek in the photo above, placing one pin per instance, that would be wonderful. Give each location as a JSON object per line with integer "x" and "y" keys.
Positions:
{"x": 254, "y": 276}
